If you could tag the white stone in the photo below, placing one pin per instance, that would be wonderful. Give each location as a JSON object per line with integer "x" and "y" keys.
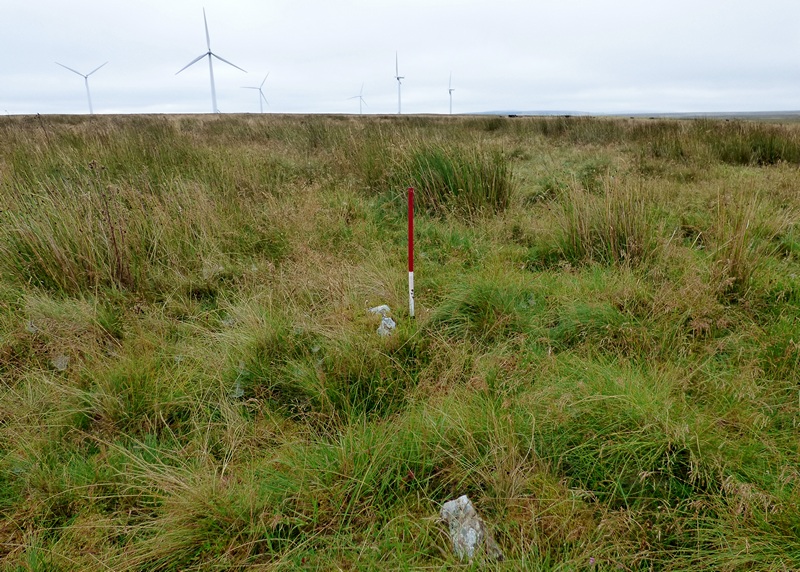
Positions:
{"x": 383, "y": 310}
{"x": 468, "y": 532}
{"x": 386, "y": 327}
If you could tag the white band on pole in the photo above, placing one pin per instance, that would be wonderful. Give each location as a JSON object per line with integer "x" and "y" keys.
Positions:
{"x": 411, "y": 294}
{"x": 411, "y": 251}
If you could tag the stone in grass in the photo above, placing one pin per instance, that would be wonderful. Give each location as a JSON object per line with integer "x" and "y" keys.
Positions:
{"x": 60, "y": 362}
{"x": 383, "y": 310}
{"x": 386, "y": 327}
{"x": 387, "y": 324}
{"x": 468, "y": 532}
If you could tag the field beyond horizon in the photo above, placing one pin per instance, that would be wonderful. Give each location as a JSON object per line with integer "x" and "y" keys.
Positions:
{"x": 604, "y": 356}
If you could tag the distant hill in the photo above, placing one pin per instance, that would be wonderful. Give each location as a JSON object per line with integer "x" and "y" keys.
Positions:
{"x": 753, "y": 115}
{"x": 533, "y": 113}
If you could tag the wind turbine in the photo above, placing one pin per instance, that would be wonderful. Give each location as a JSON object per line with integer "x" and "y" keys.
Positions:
{"x": 399, "y": 79}
{"x": 450, "y": 90}
{"x": 260, "y": 93}
{"x": 209, "y": 54}
{"x": 360, "y": 98}
{"x": 86, "y": 81}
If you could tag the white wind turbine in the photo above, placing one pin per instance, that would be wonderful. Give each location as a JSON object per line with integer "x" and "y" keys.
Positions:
{"x": 450, "y": 90}
{"x": 260, "y": 93}
{"x": 86, "y": 81}
{"x": 360, "y": 98}
{"x": 399, "y": 79}
{"x": 209, "y": 54}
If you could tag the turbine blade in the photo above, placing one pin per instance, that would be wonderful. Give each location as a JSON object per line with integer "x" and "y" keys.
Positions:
{"x": 70, "y": 69}
{"x": 95, "y": 69}
{"x": 265, "y": 79}
{"x": 248, "y": 87}
{"x": 360, "y": 93}
{"x": 227, "y": 62}
{"x": 264, "y": 98}
{"x": 208, "y": 38}
{"x": 396, "y": 66}
{"x": 194, "y": 61}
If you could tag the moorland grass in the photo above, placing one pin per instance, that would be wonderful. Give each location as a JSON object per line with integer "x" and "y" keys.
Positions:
{"x": 604, "y": 356}
{"x": 466, "y": 182}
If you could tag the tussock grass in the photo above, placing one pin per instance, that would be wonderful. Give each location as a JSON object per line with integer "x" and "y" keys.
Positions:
{"x": 748, "y": 144}
{"x": 744, "y": 233}
{"x": 486, "y": 310}
{"x": 604, "y": 356}
{"x": 617, "y": 227}
{"x": 468, "y": 182}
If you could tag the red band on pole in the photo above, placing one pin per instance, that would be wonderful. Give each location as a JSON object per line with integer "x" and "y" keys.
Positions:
{"x": 411, "y": 229}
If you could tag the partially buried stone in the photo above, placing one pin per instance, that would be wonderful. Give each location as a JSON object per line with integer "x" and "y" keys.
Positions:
{"x": 60, "y": 362}
{"x": 468, "y": 532}
{"x": 386, "y": 327}
{"x": 383, "y": 310}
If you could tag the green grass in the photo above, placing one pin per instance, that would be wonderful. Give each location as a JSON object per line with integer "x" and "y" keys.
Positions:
{"x": 468, "y": 182}
{"x": 604, "y": 355}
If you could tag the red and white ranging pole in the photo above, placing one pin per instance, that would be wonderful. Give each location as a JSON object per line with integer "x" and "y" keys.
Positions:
{"x": 411, "y": 251}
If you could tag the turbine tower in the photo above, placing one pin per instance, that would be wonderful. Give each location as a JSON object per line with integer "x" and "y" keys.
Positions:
{"x": 209, "y": 54}
{"x": 450, "y": 90}
{"x": 399, "y": 79}
{"x": 360, "y": 98}
{"x": 260, "y": 93}
{"x": 86, "y": 81}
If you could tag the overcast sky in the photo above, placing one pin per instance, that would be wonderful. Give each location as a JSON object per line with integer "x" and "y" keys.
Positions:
{"x": 597, "y": 56}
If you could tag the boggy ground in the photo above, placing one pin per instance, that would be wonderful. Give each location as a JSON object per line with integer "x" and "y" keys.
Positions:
{"x": 604, "y": 356}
